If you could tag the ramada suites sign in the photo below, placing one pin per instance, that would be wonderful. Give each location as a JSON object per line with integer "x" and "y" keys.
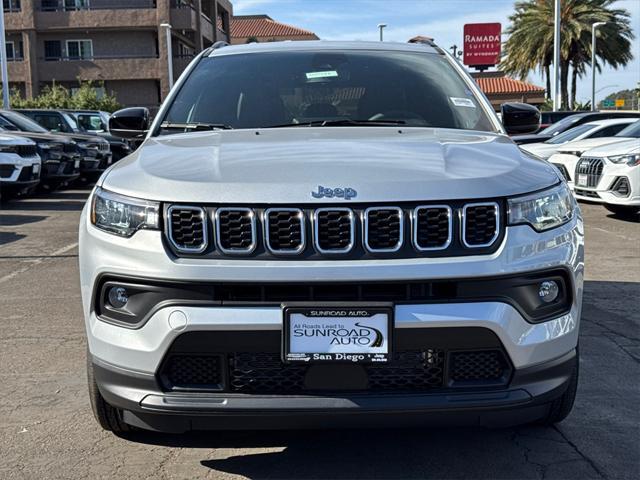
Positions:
{"x": 482, "y": 44}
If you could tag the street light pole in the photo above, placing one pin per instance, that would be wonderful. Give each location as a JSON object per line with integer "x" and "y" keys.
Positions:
{"x": 167, "y": 26}
{"x": 381, "y": 27}
{"x": 556, "y": 56}
{"x": 3, "y": 58}
{"x": 594, "y": 27}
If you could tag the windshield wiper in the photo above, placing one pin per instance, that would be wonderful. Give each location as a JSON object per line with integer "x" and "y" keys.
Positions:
{"x": 195, "y": 126}
{"x": 347, "y": 122}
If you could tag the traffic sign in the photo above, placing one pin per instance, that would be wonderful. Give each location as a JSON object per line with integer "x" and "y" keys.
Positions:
{"x": 619, "y": 102}
{"x": 608, "y": 103}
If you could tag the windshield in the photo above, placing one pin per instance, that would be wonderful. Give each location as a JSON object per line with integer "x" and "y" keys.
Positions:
{"x": 560, "y": 126}
{"x": 23, "y": 122}
{"x": 571, "y": 134}
{"x": 632, "y": 131}
{"x": 301, "y": 87}
{"x": 71, "y": 121}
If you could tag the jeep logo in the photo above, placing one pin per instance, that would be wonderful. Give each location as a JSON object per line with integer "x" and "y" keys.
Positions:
{"x": 323, "y": 192}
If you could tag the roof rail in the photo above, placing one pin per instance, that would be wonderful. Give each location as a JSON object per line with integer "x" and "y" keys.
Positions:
{"x": 219, "y": 44}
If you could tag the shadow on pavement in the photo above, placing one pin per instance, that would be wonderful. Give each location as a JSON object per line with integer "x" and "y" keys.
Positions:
{"x": 10, "y": 237}
{"x": 17, "y": 220}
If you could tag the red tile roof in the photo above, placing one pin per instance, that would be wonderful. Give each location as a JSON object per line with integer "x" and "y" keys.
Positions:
{"x": 263, "y": 26}
{"x": 506, "y": 85}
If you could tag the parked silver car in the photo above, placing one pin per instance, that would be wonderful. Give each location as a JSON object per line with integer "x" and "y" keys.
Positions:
{"x": 329, "y": 234}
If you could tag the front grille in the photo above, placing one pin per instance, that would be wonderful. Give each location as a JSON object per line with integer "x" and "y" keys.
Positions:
{"x": 26, "y": 150}
{"x": 187, "y": 228}
{"x": 236, "y": 230}
{"x": 621, "y": 186}
{"x": 6, "y": 171}
{"x": 592, "y": 167}
{"x": 354, "y": 233}
{"x": 285, "y": 229}
{"x": 264, "y": 373}
{"x": 586, "y": 193}
{"x": 383, "y": 229}
{"x": 432, "y": 230}
{"x": 563, "y": 171}
{"x": 189, "y": 372}
{"x": 480, "y": 226}
{"x": 479, "y": 366}
{"x": 104, "y": 147}
{"x": 69, "y": 148}
{"x": 334, "y": 230}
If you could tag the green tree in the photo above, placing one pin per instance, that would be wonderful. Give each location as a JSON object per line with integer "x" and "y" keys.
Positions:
{"x": 530, "y": 43}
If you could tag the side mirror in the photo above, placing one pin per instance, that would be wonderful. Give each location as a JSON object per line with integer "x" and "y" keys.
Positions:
{"x": 130, "y": 122}
{"x": 520, "y": 118}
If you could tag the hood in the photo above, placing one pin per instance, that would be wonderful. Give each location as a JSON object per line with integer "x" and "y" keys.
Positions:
{"x": 626, "y": 146}
{"x": 10, "y": 139}
{"x": 542, "y": 150}
{"x": 285, "y": 165}
{"x": 43, "y": 137}
{"x": 588, "y": 143}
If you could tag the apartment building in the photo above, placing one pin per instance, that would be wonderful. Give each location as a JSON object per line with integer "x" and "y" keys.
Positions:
{"x": 119, "y": 42}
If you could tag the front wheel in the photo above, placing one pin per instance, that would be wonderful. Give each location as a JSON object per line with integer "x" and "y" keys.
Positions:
{"x": 623, "y": 210}
{"x": 109, "y": 418}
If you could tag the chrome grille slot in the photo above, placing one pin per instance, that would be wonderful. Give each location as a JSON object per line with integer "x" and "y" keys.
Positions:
{"x": 480, "y": 225}
{"x": 26, "y": 150}
{"x": 284, "y": 230}
{"x": 592, "y": 167}
{"x": 383, "y": 229}
{"x": 334, "y": 230}
{"x": 187, "y": 228}
{"x": 236, "y": 230}
{"x": 432, "y": 227}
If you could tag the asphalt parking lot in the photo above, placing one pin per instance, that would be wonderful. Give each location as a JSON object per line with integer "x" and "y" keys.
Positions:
{"x": 47, "y": 430}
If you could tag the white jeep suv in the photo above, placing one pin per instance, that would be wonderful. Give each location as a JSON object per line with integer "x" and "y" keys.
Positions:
{"x": 329, "y": 234}
{"x": 20, "y": 165}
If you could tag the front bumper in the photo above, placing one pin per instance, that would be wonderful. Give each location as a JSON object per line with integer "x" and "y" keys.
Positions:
{"x": 26, "y": 172}
{"x": 527, "y": 399}
{"x": 128, "y": 359}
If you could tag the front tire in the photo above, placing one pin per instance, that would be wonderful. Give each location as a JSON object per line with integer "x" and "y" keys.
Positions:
{"x": 109, "y": 418}
{"x": 562, "y": 406}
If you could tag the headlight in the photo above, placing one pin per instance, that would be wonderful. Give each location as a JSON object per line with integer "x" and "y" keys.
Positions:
{"x": 45, "y": 146}
{"x": 543, "y": 210}
{"x": 87, "y": 145}
{"x": 122, "y": 215}
{"x": 631, "y": 159}
{"x": 576, "y": 153}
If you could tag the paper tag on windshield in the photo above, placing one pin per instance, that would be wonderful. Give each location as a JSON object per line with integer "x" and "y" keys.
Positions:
{"x": 462, "y": 102}
{"x": 325, "y": 74}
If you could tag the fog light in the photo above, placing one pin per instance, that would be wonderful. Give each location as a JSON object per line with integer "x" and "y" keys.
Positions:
{"x": 118, "y": 297}
{"x": 548, "y": 291}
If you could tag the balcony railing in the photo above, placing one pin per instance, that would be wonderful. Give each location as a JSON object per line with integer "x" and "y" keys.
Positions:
{"x": 62, "y": 6}
{"x": 67, "y": 58}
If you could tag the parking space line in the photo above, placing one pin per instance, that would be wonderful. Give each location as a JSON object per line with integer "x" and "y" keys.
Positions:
{"x": 56, "y": 254}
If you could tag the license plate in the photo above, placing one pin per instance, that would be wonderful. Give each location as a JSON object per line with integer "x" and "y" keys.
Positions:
{"x": 582, "y": 179}
{"x": 36, "y": 168}
{"x": 76, "y": 164}
{"x": 337, "y": 334}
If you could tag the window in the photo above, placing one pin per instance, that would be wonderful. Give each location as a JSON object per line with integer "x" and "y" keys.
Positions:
{"x": 11, "y": 5}
{"x": 571, "y": 134}
{"x": 11, "y": 53}
{"x": 609, "y": 131}
{"x": 76, "y": 5}
{"x": 52, "y": 50}
{"x": 100, "y": 91}
{"x": 79, "y": 49}
{"x": 50, "y": 121}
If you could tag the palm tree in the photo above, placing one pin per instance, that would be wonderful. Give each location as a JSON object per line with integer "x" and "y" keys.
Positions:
{"x": 530, "y": 43}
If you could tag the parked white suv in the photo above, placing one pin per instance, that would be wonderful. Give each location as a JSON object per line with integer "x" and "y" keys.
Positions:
{"x": 329, "y": 234}
{"x": 19, "y": 165}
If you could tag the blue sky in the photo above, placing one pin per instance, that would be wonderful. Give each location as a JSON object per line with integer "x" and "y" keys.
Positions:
{"x": 441, "y": 19}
